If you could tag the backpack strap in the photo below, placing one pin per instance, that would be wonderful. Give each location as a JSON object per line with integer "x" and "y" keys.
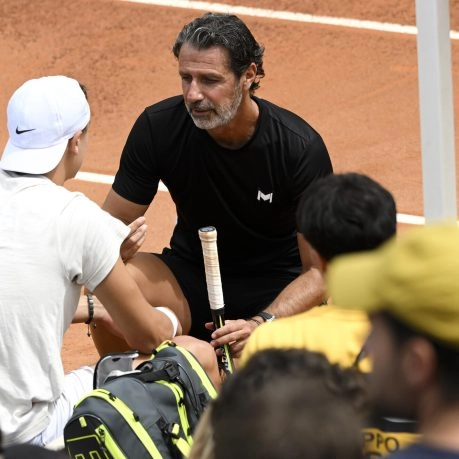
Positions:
{"x": 148, "y": 374}
{"x": 180, "y": 442}
{"x": 128, "y": 415}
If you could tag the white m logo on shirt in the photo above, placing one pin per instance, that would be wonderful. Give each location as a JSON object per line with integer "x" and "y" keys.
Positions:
{"x": 265, "y": 197}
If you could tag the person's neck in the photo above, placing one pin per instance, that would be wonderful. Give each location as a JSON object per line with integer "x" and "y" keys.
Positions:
{"x": 439, "y": 425}
{"x": 240, "y": 129}
{"x": 58, "y": 175}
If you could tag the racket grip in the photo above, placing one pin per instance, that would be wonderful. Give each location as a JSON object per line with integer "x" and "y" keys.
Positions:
{"x": 218, "y": 317}
{"x": 225, "y": 360}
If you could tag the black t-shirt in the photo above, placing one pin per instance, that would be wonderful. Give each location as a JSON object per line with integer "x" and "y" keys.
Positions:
{"x": 249, "y": 194}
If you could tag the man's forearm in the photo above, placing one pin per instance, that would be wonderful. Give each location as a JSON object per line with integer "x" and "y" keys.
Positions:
{"x": 303, "y": 293}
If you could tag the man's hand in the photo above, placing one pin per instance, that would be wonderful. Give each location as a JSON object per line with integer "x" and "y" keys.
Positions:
{"x": 135, "y": 238}
{"x": 234, "y": 332}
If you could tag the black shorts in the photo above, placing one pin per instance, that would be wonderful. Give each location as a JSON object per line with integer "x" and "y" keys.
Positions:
{"x": 244, "y": 296}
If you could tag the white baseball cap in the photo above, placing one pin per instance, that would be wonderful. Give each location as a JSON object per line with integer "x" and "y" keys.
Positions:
{"x": 43, "y": 114}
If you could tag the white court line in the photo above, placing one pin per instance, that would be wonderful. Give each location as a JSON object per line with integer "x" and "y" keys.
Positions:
{"x": 105, "y": 179}
{"x": 410, "y": 219}
{"x": 288, "y": 16}
{"x": 108, "y": 180}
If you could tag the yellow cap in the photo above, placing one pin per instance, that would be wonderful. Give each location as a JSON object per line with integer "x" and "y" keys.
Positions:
{"x": 414, "y": 276}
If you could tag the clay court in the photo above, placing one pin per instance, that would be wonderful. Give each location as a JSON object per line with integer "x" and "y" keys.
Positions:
{"x": 357, "y": 87}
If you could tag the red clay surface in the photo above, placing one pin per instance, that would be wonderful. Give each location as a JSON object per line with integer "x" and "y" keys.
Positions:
{"x": 358, "y": 88}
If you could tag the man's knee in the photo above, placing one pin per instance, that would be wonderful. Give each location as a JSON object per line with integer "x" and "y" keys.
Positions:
{"x": 159, "y": 285}
{"x": 205, "y": 354}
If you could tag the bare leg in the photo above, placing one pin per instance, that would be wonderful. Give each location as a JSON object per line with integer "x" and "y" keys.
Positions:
{"x": 202, "y": 350}
{"x": 106, "y": 342}
{"x": 205, "y": 354}
{"x": 159, "y": 287}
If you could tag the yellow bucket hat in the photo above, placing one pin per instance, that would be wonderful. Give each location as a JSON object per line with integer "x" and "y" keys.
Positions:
{"x": 414, "y": 276}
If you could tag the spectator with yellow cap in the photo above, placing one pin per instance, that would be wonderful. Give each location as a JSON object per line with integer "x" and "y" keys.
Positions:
{"x": 410, "y": 289}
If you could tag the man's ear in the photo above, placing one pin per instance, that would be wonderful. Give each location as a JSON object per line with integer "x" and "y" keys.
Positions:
{"x": 419, "y": 362}
{"x": 73, "y": 143}
{"x": 250, "y": 75}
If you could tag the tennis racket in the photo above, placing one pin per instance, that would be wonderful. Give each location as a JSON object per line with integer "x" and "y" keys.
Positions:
{"x": 208, "y": 236}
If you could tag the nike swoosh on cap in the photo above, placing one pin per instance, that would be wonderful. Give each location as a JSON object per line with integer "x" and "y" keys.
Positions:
{"x": 22, "y": 132}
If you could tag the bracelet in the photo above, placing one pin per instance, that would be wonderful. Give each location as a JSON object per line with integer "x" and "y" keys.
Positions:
{"x": 255, "y": 320}
{"x": 90, "y": 312}
{"x": 172, "y": 317}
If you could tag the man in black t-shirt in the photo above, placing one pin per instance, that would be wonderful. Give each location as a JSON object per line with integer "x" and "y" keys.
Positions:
{"x": 232, "y": 161}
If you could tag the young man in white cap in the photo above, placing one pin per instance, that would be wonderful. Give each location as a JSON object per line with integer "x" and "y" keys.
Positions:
{"x": 54, "y": 242}
{"x": 410, "y": 289}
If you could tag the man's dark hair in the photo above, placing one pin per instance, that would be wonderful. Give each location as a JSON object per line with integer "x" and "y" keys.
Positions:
{"x": 229, "y": 32}
{"x": 344, "y": 213}
{"x": 447, "y": 371}
{"x": 289, "y": 403}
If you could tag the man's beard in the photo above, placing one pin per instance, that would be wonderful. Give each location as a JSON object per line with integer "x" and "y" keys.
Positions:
{"x": 218, "y": 115}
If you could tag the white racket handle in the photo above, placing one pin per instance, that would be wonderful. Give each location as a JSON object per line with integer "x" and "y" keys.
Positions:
{"x": 208, "y": 236}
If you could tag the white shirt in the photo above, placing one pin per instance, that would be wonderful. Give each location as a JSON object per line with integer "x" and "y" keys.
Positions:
{"x": 52, "y": 241}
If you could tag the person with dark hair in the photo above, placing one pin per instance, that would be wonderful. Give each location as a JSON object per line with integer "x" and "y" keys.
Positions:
{"x": 410, "y": 290}
{"x": 54, "y": 243}
{"x": 342, "y": 213}
{"x": 230, "y": 160}
{"x": 346, "y": 213}
{"x": 285, "y": 403}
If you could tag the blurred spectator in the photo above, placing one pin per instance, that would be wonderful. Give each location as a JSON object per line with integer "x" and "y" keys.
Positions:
{"x": 410, "y": 289}
{"x": 288, "y": 404}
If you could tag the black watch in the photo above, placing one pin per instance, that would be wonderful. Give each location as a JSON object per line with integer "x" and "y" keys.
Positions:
{"x": 266, "y": 316}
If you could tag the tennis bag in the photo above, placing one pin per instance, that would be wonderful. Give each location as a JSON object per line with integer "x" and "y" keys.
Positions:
{"x": 150, "y": 412}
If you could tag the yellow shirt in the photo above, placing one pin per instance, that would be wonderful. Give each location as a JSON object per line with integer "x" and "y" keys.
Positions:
{"x": 338, "y": 333}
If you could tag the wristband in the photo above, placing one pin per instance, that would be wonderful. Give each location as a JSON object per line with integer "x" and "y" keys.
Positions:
{"x": 266, "y": 316}
{"x": 90, "y": 311}
{"x": 172, "y": 317}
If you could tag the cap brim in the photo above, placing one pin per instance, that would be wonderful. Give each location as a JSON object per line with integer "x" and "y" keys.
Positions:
{"x": 352, "y": 281}
{"x": 32, "y": 161}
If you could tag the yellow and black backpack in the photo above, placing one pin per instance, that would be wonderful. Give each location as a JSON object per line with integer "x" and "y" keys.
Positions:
{"x": 149, "y": 412}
